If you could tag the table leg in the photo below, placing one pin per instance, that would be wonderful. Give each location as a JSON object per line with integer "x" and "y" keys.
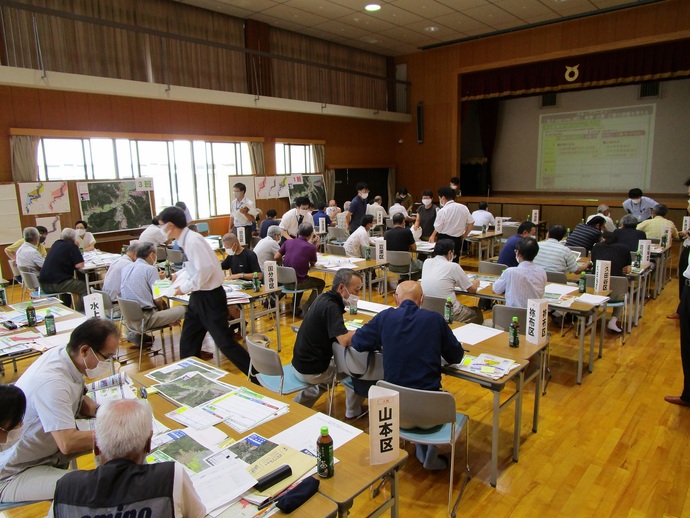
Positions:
{"x": 252, "y": 319}
{"x": 385, "y": 284}
{"x": 277, "y": 310}
{"x": 592, "y": 339}
{"x": 632, "y": 308}
{"x": 494, "y": 439}
{"x": 518, "y": 417}
{"x": 580, "y": 359}
{"x": 537, "y": 391}
{"x": 603, "y": 330}
{"x": 394, "y": 494}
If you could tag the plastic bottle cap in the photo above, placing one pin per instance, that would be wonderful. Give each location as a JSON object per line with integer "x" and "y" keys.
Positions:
{"x": 515, "y": 319}
{"x": 448, "y": 299}
{"x": 324, "y": 430}
{"x": 47, "y": 312}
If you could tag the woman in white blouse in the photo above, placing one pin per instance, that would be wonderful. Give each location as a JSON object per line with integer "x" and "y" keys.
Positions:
{"x": 86, "y": 240}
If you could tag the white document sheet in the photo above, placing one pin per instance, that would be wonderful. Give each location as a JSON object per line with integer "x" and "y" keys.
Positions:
{"x": 559, "y": 289}
{"x": 63, "y": 326}
{"x": 472, "y": 334}
{"x": 302, "y": 436}
{"x": 371, "y": 307}
{"x": 596, "y": 300}
{"x": 222, "y": 484}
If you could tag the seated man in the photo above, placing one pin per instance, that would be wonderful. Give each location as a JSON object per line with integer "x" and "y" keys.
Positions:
{"x": 241, "y": 264}
{"x": 341, "y": 217}
{"x": 656, "y": 227}
{"x": 137, "y": 285}
{"x": 377, "y": 206}
{"x": 269, "y": 222}
{"x": 604, "y": 211}
{"x": 483, "y": 216}
{"x": 554, "y": 256}
{"x": 440, "y": 277}
{"x": 524, "y": 282}
{"x": 123, "y": 484}
{"x": 268, "y": 247}
{"x": 587, "y": 234}
{"x": 400, "y": 239}
{"x": 11, "y": 250}
{"x": 28, "y": 258}
{"x": 638, "y": 205}
{"x": 57, "y": 274}
{"x": 12, "y": 410}
{"x": 333, "y": 210}
{"x": 154, "y": 233}
{"x": 300, "y": 254}
{"x": 619, "y": 255}
{"x": 406, "y": 333}
{"x": 323, "y": 326}
{"x": 54, "y": 389}
{"x": 321, "y": 214}
{"x": 113, "y": 277}
{"x": 628, "y": 234}
{"x": 507, "y": 255}
{"x": 360, "y": 237}
{"x": 398, "y": 208}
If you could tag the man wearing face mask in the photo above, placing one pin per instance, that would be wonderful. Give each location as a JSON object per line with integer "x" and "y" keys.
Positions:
{"x": 322, "y": 326}
{"x": 11, "y": 250}
{"x": 453, "y": 221}
{"x": 28, "y": 257}
{"x": 268, "y": 247}
{"x": 242, "y": 210}
{"x": 357, "y": 208}
{"x": 292, "y": 219}
{"x": 57, "y": 273}
{"x": 426, "y": 215}
{"x": 54, "y": 389}
{"x": 638, "y": 205}
{"x": 12, "y": 410}
{"x": 153, "y": 233}
{"x": 241, "y": 263}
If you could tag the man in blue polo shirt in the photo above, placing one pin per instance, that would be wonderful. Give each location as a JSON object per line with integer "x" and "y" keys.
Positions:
{"x": 358, "y": 207}
{"x": 507, "y": 255}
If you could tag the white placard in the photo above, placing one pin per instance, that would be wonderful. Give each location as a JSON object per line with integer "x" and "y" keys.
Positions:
{"x": 384, "y": 425}
{"x": 379, "y": 218}
{"x": 602, "y": 276}
{"x": 535, "y": 216}
{"x": 499, "y": 226}
{"x": 645, "y": 247}
{"x": 380, "y": 251}
{"x": 322, "y": 225}
{"x": 93, "y": 306}
{"x": 537, "y": 321}
{"x": 686, "y": 223}
{"x": 144, "y": 184}
{"x": 242, "y": 236}
{"x": 270, "y": 275}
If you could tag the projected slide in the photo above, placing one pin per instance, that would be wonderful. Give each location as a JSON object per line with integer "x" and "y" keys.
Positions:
{"x": 606, "y": 149}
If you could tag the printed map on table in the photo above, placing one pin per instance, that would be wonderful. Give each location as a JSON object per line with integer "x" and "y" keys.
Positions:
{"x": 114, "y": 205}
{"x": 183, "y": 449}
{"x": 192, "y": 389}
{"x": 44, "y": 197}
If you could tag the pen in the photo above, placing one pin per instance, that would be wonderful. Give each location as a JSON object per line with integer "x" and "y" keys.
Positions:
{"x": 265, "y": 510}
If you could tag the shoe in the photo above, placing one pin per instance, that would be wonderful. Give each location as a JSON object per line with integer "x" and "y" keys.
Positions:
{"x": 438, "y": 464}
{"x": 673, "y": 316}
{"x": 613, "y": 327}
{"x": 675, "y": 400}
{"x": 205, "y": 355}
{"x": 148, "y": 339}
{"x": 362, "y": 412}
{"x": 558, "y": 320}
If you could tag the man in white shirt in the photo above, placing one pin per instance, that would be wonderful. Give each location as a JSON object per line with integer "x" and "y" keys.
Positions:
{"x": 524, "y": 282}
{"x": 268, "y": 247}
{"x": 377, "y": 207}
{"x": 54, "y": 389}
{"x": 29, "y": 258}
{"x": 341, "y": 217}
{"x": 332, "y": 210}
{"x": 113, "y": 277}
{"x": 242, "y": 211}
{"x": 453, "y": 221}
{"x": 604, "y": 211}
{"x": 360, "y": 237}
{"x": 440, "y": 277}
{"x": 292, "y": 219}
{"x": 207, "y": 310}
{"x": 123, "y": 484}
{"x": 483, "y": 216}
{"x": 153, "y": 233}
{"x": 397, "y": 208}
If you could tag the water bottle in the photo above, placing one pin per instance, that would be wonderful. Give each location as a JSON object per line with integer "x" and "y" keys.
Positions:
{"x": 582, "y": 283}
{"x": 124, "y": 250}
{"x": 167, "y": 269}
{"x": 514, "y": 333}
{"x": 30, "y": 315}
{"x": 3, "y": 296}
{"x": 484, "y": 229}
{"x": 367, "y": 253}
{"x": 50, "y": 324}
{"x": 324, "y": 454}
{"x": 256, "y": 282}
{"x": 529, "y": 217}
{"x": 663, "y": 240}
{"x": 448, "y": 310}
{"x": 567, "y": 233}
{"x": 638, "y": 259}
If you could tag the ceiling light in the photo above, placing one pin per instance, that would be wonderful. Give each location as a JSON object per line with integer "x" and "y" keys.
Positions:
{"x": 372, "y": 7}
{"x": 432, "y": 28}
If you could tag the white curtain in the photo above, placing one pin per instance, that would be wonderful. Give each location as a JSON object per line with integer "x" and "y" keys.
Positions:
{"x": 256, "y": 158}
{"x": 391, "y": 185}
{"x": 318, "y": 151}
{"x": 24, "y": 150}
{"x": 329, "y": 180}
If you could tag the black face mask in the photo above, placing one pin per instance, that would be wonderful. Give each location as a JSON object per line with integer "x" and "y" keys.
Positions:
{"x": 42, "y": 239}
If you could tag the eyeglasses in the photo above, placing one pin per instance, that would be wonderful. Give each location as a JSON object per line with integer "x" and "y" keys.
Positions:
{"x": 98, "y": 354}
{"x": 15, "y": 428}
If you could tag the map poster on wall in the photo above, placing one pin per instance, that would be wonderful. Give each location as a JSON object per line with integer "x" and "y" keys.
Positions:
{"x": 271, "y": 187}
{"x": 312, "y": 186}
{"x": 110, "y": 206}
{"x": 52, "y": 223}
{"x": 43, "y": 197}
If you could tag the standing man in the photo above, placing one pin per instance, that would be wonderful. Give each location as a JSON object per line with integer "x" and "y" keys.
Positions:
{"x": 358, "y": 207}
{"x": 507, "y": 255}
{"x": 453, "y": 221}
{"x": 242, "y": 211}
{"x": 684, "y": 316}
{"x": 683, "y": 259}
{"x": 57, "y": 274}
{"x": 54, "y": 389}
{"x": 526, "y": 280}
{"x": 426, "y": 215}
{"x": 638, "y": 205}
{"x": 293, "y": 218}
{"x": 207, "y": 309}
{"x": 455, "y": 185}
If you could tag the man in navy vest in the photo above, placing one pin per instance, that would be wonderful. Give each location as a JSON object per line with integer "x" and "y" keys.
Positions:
{"x": 123, "y": 485}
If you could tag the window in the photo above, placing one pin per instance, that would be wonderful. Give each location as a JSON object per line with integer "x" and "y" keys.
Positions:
{"x": 294, "y": 159}
{"x": 194, "y": 171}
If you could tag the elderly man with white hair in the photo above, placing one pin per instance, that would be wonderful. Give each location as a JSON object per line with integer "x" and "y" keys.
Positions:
{"x": 268, "y": 247}
{"x": 57, "y": 274}
{"x": 123, "y": 485}
{"x": 604, "y": 211}
{"x": 29, "y": 259}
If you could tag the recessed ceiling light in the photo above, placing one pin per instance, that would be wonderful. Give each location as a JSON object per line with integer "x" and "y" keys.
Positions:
{"x": 432, "y": 28}
{"x": 372, "y": 7}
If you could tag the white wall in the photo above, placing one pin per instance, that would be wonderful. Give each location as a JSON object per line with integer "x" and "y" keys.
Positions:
{"x": 515, "y": 157}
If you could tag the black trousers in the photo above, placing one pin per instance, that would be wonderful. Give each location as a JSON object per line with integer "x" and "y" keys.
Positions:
{"x": 458, "y": 244}
{"x": 682, "y": 266}
{"x": 684, "y": 312}
{"x": 208, "y": 311}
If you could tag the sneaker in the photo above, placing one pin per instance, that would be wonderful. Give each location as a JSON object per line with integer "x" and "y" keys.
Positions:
{"x": 363, "y": 411}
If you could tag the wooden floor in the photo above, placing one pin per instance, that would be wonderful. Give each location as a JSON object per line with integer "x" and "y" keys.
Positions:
{"x": 608, "y": 447}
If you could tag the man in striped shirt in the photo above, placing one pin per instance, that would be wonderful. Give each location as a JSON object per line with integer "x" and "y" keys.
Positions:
{"x": 587, "y": 234}
{"x": 553, "y": 256}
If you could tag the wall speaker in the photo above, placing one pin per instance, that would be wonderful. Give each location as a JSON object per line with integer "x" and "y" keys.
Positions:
{"x": 420, "y": 122}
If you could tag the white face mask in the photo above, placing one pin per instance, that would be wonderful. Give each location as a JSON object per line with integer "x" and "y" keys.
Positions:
{"x": 364, "y": 195}
{"x": 13, "y": 436}
{"x": 238, "y": 195}
{"x": 229, "y": 251}
{"x": 426, "y": 202}
{"x": 351, "y": 299}
{"x": 636, "y": 202}
{"x": 99, "y": 370}
{"x": 81, "y": 232}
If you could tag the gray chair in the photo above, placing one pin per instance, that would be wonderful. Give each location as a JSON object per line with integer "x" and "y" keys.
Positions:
{"x": 491, "y": 268}
{"x": 350, "y": 363}
{"x": 336, "y": 235}
{"x": 133, "y": 314}
{"x": 32, "y": 284}
{"x": 502, "y": 316}
{"x": 436, "y": 422}
{"x": 272, "y": 374}
{"x": 336, "y": 250}
{"x": 287, "y": 275}
{"x": 581, "y": 249}
{"x": 557, "y": 277}
{"x": 401, "y": 260}
{"x": 619, "y": 290}
{"x": 436, "y": 304}
{"x": 175, "y": 256}
{"x": 202, "y": 227}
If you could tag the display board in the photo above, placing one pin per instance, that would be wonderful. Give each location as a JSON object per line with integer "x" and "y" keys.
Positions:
{"x": 115, "y": 205}
{"x": 271, "y": 187}
{"x": 52, "y": 223}
{"x": 43, "y": 197}
{"x": 11, "y": 228}
{"x": 596, "y": 149}
{"x": 312, "y": 186}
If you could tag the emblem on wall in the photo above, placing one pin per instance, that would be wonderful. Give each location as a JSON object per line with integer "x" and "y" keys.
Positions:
{"x": 571, "y": 73}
